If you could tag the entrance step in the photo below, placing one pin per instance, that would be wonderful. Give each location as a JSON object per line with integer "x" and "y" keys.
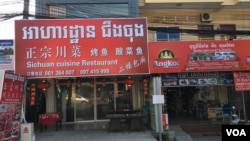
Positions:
{"x": 179, "y": 134}
{"x": 201, "y": 128}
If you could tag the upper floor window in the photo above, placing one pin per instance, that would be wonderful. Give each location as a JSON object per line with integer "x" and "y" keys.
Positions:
{"x": 230, "y": 35}
{"x": 57, "y": 11}
{"x": 204, "y": 32}
{"x": 169, "y": 36}
{"x": 94, "y": 10}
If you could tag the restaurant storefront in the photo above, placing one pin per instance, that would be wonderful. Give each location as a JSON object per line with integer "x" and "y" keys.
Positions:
{"x": 201, "y": 71}
{"x": 85, "y": 99}
{"x": 82, "y": 68}
{"x": 85, "y": 68}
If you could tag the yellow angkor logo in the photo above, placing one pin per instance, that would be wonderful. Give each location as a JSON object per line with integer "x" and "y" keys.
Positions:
{"x": 166, "y": 54}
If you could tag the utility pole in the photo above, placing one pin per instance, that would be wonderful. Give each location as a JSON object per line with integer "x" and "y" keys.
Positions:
{"x": 26, "y": 9}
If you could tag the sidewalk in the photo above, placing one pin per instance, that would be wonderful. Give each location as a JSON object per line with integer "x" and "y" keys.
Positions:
{"x": 180, "y": 135}
{"x": 206, "y": 136}
{"x": 103, "y": 135}
{"x": 93, "y": 135}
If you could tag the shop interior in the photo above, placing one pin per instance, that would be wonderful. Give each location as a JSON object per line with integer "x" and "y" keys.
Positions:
{"x": 204, "y": 103}
{"x": 84, "y": 99}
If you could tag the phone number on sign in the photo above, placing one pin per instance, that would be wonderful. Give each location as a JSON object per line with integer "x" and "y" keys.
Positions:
{"x": 81, "y": 72}
{"x": 69, "y": 72}
{"x": 94, "y": 71}
{"x": 59, "y": 72}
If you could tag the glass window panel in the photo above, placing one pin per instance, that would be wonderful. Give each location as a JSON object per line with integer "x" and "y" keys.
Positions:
{"x": 171, "y": 36}
{"x": 124, "y": 98}
{"x": 57, "y": 11}
{"x": 84, "y": 103}
{"x": 103, "y": 96}
{"x": 174, "y": 36}
{"x": 97, "y": 10}
{"x": 228, "y": 27}
{"x": 204, "y": 32}
{"x": 67, "y": 104}
{"x": 81, "y": 100}
{"x": 160, "y": 36}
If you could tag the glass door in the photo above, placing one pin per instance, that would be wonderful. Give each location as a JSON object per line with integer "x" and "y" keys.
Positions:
{"x": 111, "y": 96}
{"x": 64, "y": 94}
{"x": 75, "y": 100}
{"x": 84, "y": 102}
{"x": 90, "y": 99}
{"x": 103, "y": 99}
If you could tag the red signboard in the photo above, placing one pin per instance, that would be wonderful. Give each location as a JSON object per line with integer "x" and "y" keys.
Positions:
{"x": 242, "y": 81}
{"x": 12, "y": 91}
{"x": 81, "y": 47}
{"x": 199, "y": 56}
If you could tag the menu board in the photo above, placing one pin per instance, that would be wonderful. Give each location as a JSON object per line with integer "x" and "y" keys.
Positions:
{"x": 11, "y": 97}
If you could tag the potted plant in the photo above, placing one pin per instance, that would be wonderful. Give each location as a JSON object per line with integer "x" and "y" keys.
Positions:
{"x": 165, "y": 136}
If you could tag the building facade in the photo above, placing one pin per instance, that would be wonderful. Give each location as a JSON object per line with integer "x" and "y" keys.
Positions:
{"x": 85, "y": 98}
{"x": 191, "y": 20}
{"x": 167, "y": 21}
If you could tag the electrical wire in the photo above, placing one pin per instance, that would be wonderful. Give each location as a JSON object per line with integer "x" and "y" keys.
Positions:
{"x": 10, "y": 2}
{"x": 89, "y": 9}
{"x": 7, "y": 15}
{"x": 92, "y": 10}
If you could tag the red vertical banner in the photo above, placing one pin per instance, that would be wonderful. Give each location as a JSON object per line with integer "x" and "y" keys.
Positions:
{"x": 165, "y": 121}
{"x": 11, "y": 97}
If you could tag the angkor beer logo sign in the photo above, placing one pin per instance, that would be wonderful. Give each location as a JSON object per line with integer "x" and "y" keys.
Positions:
{"x": 239, "y": 132}
{"x": 166, "y": 59}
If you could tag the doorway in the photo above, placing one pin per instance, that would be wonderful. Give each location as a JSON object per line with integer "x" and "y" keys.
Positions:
{"x": 84, "y": 101}
{"x": 179, "y": 100}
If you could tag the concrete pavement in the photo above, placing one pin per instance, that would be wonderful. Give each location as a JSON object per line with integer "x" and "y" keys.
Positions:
{"x": 103, "y": 135}
{"x": 180, "y": 135}
{"x": 214, "y": 136}
{"x": 94, "y": 135}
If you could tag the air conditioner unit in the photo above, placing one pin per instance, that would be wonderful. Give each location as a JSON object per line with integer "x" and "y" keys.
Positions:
{"x": 206, "y": 17}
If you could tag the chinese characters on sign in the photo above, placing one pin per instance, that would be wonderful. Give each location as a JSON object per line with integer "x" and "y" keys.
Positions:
{"x": 81, "y": 47}
{"x": 10, "y": 105}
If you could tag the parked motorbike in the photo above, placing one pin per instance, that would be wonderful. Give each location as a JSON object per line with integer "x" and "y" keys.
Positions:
{"x": 235, "y": 116}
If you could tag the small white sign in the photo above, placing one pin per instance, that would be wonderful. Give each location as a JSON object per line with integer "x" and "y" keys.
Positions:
{"x": 158, "y": 99}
